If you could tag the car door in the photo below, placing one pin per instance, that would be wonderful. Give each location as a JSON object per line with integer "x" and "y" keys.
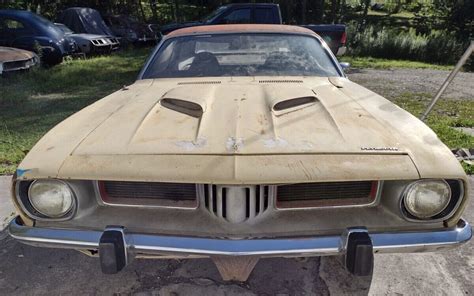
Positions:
{"x": 16, "y": 33}
{"x": 5, "y": 33}
{"x": 266, "y": 15}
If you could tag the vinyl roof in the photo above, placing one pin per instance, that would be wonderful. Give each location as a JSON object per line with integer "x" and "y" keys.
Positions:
{"x": 241, "y": 28}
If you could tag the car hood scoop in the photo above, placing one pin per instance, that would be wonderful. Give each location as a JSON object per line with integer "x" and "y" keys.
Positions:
{"x": 241, "y": 117}
{"x": 182, "y": 106}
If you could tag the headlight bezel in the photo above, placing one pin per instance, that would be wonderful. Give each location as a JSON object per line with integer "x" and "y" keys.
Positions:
{"x": 22, "y": 194}
{"x": 456, "y": 188}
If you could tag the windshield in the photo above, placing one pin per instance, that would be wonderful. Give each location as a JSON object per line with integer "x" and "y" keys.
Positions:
{"x": 65, "y": 29}
{"x": 47, "y": 24}
{"x": 213, "y": 14}
{"x": 248, "y": 54}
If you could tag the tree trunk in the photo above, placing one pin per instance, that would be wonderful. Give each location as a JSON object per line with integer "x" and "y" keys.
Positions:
{"x": 176, "y": 11}
{"x": 333, "y": 10}
{"x": 303, "y": 11}
{"x": 363, "y": 19}
{"x": 153, "y": 10}
{"x": 140, "y": 6}
{"x": 318, "y": 11}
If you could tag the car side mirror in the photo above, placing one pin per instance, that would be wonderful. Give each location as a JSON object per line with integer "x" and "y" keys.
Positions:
{"x": 345, "y": 65}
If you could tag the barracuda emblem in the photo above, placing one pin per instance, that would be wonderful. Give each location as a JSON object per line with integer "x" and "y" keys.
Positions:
{"x": 379, "y": 148}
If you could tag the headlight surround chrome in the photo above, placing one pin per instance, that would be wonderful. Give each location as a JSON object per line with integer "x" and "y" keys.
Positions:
{"x": 51, "y": 198}
{"x": 427, "y": 200}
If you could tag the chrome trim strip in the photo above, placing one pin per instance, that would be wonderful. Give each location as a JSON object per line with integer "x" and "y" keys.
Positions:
{"x": 389, "y": 242}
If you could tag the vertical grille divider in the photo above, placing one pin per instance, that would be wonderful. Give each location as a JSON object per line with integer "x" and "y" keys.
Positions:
{"x": 220, "y": 195}
{"x": 228, "y": 203}
{"x": 253, "y": 208}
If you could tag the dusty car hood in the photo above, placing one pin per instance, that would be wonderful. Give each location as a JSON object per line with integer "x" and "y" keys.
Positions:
{"x": 8, "y": 54}
{"x": 344, "y": 131}
{"x": 239, "y": 117}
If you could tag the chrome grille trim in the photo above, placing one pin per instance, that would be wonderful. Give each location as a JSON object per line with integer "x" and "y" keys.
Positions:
{"x": 237, "y": 204}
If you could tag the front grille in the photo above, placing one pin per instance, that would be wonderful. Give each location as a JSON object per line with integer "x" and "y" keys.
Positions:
{"x": 16, "y": 65}
{"x": 237, "y": 204}
{"x": 326, "y": 194}
{"x": 149, "y": 193}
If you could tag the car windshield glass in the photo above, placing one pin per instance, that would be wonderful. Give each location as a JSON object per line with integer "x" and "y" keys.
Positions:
{"x": 65, "y": 29}
{"x": 49, "y": 25}
{"x": 249, "y": 54}
{"x": 213, "y": 14}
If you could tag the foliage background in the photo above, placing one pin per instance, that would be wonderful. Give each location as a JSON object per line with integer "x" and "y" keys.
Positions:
{"x": 434, "y": 31}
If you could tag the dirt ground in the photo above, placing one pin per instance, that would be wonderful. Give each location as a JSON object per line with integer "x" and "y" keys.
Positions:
{"x": 392, "y": 83}
{"x": 26, "y": 270}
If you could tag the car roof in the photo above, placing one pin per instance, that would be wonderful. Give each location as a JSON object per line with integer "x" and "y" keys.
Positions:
{"x": 249, "y": 3}
{"x": 241, "y": 28}
{"x": 15, "y": 12}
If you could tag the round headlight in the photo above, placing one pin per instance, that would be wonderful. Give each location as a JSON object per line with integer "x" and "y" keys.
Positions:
{"x": 427, "y": 198}
{"x": 51, "y": 198}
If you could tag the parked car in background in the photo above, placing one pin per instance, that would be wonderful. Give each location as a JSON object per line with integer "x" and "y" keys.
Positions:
{"x": 131, "y": 30}
{"x": 14, "y": 59}
{"x": 84, "y": 20}
{"x": 91, "y": 43}
{"x": 248, "y": 13}
{"x": 241, "y": 142}
{"x": 26, "y": 30}
{"x": 263, "y": 13}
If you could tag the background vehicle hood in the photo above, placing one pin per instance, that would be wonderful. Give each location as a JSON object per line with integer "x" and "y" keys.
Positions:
{"x": 8, "y": 54}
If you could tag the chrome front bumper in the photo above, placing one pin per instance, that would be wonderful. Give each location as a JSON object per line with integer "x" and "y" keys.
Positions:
{"x": 177, "y": 246}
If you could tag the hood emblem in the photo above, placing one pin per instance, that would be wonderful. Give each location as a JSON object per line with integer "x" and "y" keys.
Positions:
{"x": 379, "y": 148}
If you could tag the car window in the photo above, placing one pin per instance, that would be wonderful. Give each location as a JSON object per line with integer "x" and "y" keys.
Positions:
{"x": 210, "y": 17}
{"x": 238, "y": 16}
{"x": 64, "y": 28}
{"x": 250, "y": 54}
{"x": 13, "y": 24}
{"x": 264, "y": 16}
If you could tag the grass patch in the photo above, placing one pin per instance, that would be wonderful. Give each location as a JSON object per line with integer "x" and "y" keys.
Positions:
{"x": 32, "y": 103}
{"x": 377, "y": 63}
{"x": 445, "y": 115}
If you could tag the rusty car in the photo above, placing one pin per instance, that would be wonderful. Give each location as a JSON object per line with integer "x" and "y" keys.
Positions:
{"x": 235, "y": 143}
{"x": 15, "y": 59}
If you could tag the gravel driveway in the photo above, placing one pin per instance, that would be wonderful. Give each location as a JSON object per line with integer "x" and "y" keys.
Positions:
{"x": 392, "y": 83}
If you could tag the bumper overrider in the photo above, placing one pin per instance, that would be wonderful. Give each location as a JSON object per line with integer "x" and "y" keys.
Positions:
{"x": 357, "y": 245}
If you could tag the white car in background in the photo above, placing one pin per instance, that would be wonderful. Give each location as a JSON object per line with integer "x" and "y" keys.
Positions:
{"x": 91, "y": 43}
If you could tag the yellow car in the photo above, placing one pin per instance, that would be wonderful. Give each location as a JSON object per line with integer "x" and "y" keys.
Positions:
{"x": 239, "y": 142}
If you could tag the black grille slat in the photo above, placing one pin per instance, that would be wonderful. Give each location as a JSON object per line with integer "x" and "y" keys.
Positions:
{"x": 149, "y": 190}
{"x": 324, "y": 191}
{"x": 214, "y": 199}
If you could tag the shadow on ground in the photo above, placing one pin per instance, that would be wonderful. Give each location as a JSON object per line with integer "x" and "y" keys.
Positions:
{"x": 25, "y": 269}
